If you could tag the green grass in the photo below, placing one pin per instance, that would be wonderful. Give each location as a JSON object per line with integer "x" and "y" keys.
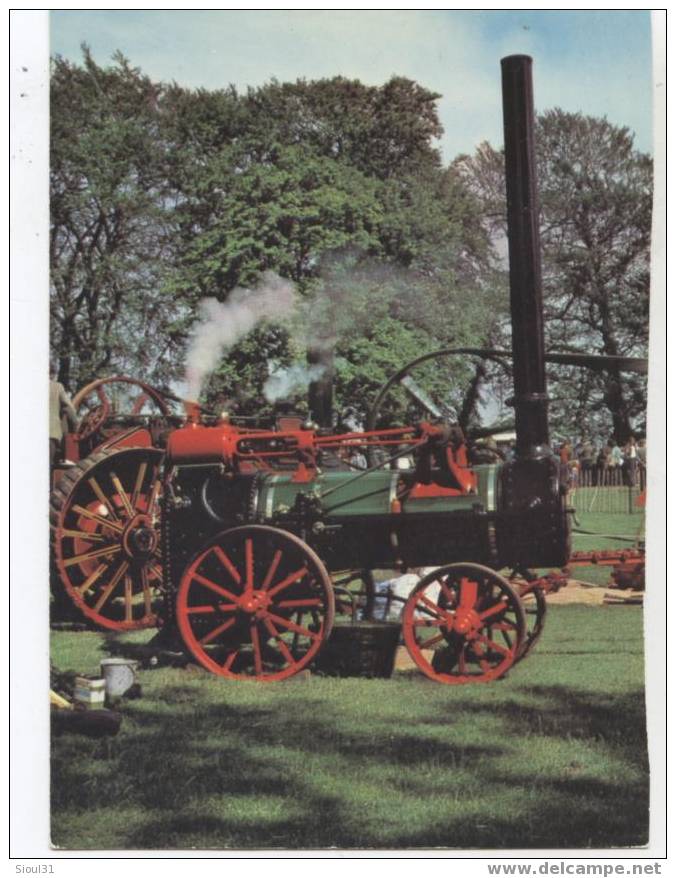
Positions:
{"x": 553, "y": 756}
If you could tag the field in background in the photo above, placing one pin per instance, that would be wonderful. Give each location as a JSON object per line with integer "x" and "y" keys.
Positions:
{"x": 552, "y": 756}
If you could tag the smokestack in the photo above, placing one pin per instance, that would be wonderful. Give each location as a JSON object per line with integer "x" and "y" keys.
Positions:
{"x": 525, "y": 279}
{"x": 320, "y": 391}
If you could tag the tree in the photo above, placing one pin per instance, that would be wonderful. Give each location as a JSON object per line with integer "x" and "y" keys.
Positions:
{"x": 110, "y": 237}
{"x": 162, "y": 196}
{"x": 383, "y": 131}
{"x": 596, "y": 199}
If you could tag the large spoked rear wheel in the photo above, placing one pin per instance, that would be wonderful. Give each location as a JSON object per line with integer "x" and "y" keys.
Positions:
{"x": 255, "y": 603}
{"x": 104, "y": 516}
{"x": 464, "y": 623}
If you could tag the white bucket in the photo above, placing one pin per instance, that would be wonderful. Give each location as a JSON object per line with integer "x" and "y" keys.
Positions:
{"x": 119, "y": 674}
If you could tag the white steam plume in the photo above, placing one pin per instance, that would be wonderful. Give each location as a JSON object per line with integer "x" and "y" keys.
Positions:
{"x": 285, "y": 381}
{"x": 222, "y": 324}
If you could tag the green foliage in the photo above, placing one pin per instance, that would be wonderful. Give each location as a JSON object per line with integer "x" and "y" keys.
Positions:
{"x": 278, "y": 213}
{"x": 162, "y": 195}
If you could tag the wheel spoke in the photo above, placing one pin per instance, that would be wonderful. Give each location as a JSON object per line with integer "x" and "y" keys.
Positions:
{"x": 493, "y": 645}
{"x": 228, "y": 663}
{"x": 219, "y": 630}
{"x": 90, "y": 556}
{"x": 223, "y": 592}
{"x": 432, "y": 608}
{"x": 255, "y": 640}
{"x": 99, "y": 519}
{"x": 105, "y": 594}
{"x": 301, "y": 602}
{"x": 449, "y": 595}
{"x": 283, "y": 648}
{"x": 468, "y": 593}
{"x": 491, "y": 611}
{"x": 128, "y": 591}
{"x": 203, "y": 609}
{"x": 293, "y": 626}
{"x": 249, "y": 562}
{"x": 93, "y": 577}
{"x": 93, "y": 537}
{"x": 122, "y": 494}
{"x": 96, "y": 488}
{"x": 419, "y": 622}
{"x": 289, "y": 580}
{"x": 272, "y": 569}
{"x": 227, "y": 563}
{"x": 139, "y": 483}
{"x": 431, "y": 641}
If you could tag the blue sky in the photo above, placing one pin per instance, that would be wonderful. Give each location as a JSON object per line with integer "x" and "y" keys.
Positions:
{"x": 598, "y": 63}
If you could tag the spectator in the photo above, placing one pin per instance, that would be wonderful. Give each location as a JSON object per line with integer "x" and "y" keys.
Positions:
{"x": 616, "y": 459}
{"x": 587, "y": 458}
{"x": 60, "y": 407}
{"x": 631, "y": 459}
{"x": 603, "y": 464}
{"x": 356, "y": 459}
{"x": 642, "y": 453}
{"x": 565, "y": 451}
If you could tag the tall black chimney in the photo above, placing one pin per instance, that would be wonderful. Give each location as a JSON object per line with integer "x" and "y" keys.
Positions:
{"x": 525, "y": 279}
{"x": 320, "y": 392}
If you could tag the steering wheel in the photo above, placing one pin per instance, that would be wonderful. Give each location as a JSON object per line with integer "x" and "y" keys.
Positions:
{"x": 96, "y": 397}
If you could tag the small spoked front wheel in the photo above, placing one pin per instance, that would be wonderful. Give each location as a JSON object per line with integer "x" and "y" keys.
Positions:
{"x": 256, "y": 602}
{"x": 464, "y": 623}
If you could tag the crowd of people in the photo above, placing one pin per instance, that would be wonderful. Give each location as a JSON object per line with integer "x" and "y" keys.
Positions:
{"x": 599, "y": 463}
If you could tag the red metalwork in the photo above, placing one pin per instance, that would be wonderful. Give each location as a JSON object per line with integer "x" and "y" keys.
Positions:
{"x": 104, "y": 517}
{"x": 256, "y": 603}
{"x": 104, "y": 510}
{"x": 476, "y": 620}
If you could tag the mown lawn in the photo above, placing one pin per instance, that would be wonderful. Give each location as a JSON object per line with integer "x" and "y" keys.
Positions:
{"x": 553, "y": 756}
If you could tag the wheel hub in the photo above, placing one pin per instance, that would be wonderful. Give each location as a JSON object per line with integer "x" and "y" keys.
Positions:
{"x": 140, "y": 538}
{"x": 254, "y": 602}
{"x": 467, "y": 622}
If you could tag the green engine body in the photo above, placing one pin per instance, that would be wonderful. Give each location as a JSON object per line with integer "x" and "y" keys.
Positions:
{"x": 385, "y": 519}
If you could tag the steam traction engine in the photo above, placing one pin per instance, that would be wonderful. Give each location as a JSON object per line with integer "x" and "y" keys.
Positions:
{"x": 253, "y": 521}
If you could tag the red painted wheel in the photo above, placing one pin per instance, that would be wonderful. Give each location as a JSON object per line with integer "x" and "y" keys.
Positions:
{"x": 464, "y": 624}
{"x": 255, "y": 603}
{"x": 105, "y": 536}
